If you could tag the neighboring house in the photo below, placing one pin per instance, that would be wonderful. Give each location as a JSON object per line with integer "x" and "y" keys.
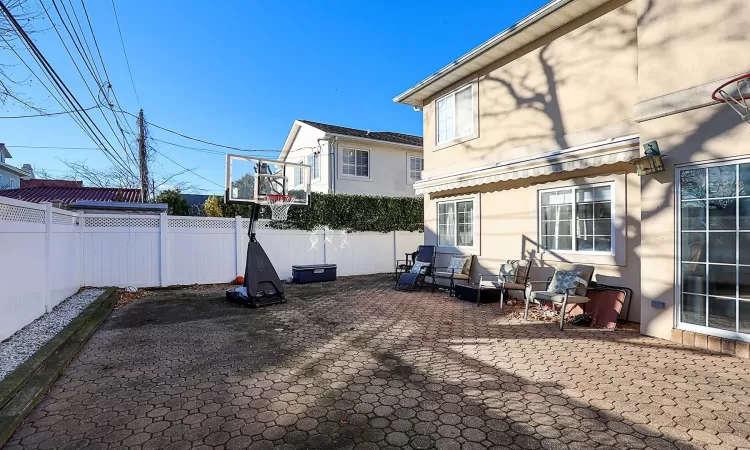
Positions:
{"x": 530, "y": 138}
{"x": 363, "y": 161}
{"x": 11, "y": 176}
{"x": 65, "y": 192}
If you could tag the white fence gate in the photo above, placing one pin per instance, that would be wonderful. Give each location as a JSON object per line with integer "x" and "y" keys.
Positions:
{"x": 47, "y": 254}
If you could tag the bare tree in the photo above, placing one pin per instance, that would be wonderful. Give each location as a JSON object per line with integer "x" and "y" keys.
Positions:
{"x": 12, "y": 85}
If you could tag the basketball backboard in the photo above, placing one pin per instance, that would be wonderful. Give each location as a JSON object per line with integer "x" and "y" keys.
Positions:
{"x": 251, "y": 180}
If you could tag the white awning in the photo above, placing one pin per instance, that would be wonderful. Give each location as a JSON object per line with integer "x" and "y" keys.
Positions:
{"x": 596, "y": 154}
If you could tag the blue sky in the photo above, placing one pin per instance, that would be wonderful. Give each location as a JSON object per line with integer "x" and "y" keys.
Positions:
{"x": 239, "y": 73}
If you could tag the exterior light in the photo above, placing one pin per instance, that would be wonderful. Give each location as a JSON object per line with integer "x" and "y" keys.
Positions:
{"x": 651, "y": 163}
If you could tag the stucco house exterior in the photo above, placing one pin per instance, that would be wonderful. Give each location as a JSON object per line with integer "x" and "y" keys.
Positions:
{"x": 11, "y": 176}
{"x": 352, "y": 161}
{"x": 529, "y": 142}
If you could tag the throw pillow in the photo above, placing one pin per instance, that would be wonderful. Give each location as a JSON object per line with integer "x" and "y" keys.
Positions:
{"x": 457, "y": 264}
{"x": 419, "y": 267}
{"x": 508, "y": 271}
{"x": 565, "y": 281}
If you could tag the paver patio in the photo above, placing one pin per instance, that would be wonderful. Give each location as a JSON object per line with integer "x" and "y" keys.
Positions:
{"x": 354, "y": 364}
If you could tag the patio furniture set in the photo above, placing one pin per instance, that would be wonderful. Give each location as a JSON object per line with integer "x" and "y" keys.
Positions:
{"x": 568, "y": 286}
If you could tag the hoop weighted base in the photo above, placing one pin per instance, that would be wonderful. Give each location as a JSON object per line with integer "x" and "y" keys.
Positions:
{"x": 262, "y": 284}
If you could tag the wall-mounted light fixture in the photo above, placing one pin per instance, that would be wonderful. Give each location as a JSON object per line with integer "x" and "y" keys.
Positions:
{"x": 651, "y": 163}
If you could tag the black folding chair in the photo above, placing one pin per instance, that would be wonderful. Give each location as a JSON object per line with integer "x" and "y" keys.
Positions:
{"x": 415, "y": 280}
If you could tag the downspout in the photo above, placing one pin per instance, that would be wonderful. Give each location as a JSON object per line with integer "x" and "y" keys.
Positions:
{"x": 332, "y": 162}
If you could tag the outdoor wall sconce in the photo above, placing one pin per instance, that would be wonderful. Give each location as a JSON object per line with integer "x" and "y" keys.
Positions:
{"x": 652, "y": 162}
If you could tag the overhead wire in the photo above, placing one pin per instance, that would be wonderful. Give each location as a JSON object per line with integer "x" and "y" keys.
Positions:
{"x": 59, "y": 113}
{"x": 189, "y": 170}
{"x": 83, "y": 78}
{"x": 127, "y": 62}
{"x": 59, "y": 85}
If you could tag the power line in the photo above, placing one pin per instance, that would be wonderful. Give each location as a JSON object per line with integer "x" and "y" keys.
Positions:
{"x": 192, "y": 138}
{"x": 208, "y": 150}
{"x": 48, "y": 114}
{"x": 53, "y": 148}
{"x": 60, "y": 86}
{"x": 190, "y": 170}
{"x": 81, "y": 52}
{"x": 127, "y": 62}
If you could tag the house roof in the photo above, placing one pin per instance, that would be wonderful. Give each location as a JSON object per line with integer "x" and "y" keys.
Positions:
{"x": 4, "y": 150}
{"x": 385, "y": 136}
{"x": 43, "y": 182}
{"x": 541, "y": 22}
{"x": 66, "y": 195}
{"x": 14, "y": 169}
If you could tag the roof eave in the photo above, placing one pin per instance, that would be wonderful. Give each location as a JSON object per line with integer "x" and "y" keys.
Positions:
{"x": 347, "y": 137}
{"x": 513, "y": 30}
{"x": 14, "y": 169}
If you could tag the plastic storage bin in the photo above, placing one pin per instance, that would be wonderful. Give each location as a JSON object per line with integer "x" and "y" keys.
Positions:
{"x": 314, "y": 273}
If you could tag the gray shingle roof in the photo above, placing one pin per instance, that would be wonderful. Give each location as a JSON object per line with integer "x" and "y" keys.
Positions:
{"x": 385, "y": 136}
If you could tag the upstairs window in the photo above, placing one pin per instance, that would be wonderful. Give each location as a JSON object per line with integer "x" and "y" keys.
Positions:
{"x": 314, "y": 162}
{"x": 416, "y": 166}
{"x": 455, "y": 115}
{"x": 355, "y": 163}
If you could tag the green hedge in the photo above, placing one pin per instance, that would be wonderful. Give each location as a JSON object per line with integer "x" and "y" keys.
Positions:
{"x": 347, "y": 212}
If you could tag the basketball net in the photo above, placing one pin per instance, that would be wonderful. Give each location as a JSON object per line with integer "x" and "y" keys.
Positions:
{"x": 736, "y": 94}
{"x": 279, "y": 205}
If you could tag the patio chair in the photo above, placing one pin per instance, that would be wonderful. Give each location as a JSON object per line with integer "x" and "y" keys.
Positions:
{"x": 422, "y": 268}
{"x": 405, "y": 265}
{"x": 512, "y": 276}
{"x": 459, "y": 268}
{"x": 566, "y": 287}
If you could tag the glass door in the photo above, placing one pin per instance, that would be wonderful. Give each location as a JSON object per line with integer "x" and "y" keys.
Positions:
{"x": 714, "y": 250}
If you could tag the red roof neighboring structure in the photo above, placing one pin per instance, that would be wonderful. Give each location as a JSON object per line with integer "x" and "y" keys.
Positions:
{"x": 66, "y": 195}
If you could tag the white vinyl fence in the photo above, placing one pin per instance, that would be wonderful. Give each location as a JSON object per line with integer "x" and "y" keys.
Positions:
{"x": 47, "y": 254}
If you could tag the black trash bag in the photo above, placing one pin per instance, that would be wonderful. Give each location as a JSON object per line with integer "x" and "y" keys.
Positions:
{"x": 582, "y": 320}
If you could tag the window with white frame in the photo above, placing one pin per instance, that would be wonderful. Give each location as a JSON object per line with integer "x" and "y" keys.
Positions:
{"x": 416, "y": 166}
{"x": 12, "y": 183}
{"x": 456, "y": 223}
{"x": 577, "y": 219}
{"x": 299, "y": 176}
{"x": 314, "y": 162}
{"x": 455, "y": 114}
{"x": 714, "y": 249}
{"x": 355, "y": 163}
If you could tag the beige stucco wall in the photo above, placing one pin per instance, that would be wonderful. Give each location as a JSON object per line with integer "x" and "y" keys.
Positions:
{"x": 574, "y": 86}
{"x": 509, "y": 227}
{"x": 707, "y": 134}
{"x": 686, "y": 43}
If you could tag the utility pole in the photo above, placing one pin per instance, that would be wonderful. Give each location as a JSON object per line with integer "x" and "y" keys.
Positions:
{"x": 142, "y": 159}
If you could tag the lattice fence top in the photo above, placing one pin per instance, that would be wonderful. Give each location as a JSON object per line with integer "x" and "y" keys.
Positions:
{"x": 12, "y": 213}
{"x": 118, "y": 222}
{"x": 245, "y": 224}
{"x": 64, "y": 219}
{"x": 261, "y": 225}
{"x": 185, "y": 222}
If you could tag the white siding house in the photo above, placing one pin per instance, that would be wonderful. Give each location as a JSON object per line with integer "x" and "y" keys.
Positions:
{"x": 351, "y": 161}
{"x": 10, "y": 176}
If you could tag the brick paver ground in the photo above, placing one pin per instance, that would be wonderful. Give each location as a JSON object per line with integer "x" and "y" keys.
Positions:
{"x": 353, "y": 364}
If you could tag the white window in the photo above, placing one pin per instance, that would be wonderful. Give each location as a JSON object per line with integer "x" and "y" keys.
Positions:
{"x": 456, "y": 223}
{"x": 299, "y": 176}
{"x": 355, "y": 163}
{"x": 12, "y": 183}
{"x": 416, "y": 166}
{"x": 314, "y": 162}
{"x": 577, "y": 219}
{"x": 714, "y": 249}
{"x": 455, "y": 115}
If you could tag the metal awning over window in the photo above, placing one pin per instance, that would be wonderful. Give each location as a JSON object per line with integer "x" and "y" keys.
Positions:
{"x": 596, "y": 154}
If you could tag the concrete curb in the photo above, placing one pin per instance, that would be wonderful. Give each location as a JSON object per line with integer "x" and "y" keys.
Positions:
{"x": 25, "y": 387}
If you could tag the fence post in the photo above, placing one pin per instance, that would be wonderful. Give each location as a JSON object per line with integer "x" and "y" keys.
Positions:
{"x": 82, "y": 265}
{"x": 237, "y": 246}
{"x": 163, "y": 229}
{"x": 48, "y": 257}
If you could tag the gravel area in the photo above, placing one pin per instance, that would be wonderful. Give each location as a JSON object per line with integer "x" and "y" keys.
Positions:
{"x": 19, "y": 347}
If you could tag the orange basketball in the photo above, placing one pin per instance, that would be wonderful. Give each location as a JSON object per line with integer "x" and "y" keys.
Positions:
{"x": 239, "y": 280}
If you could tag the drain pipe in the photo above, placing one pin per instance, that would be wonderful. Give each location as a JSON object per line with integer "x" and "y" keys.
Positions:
{"x": 332, "y": 162}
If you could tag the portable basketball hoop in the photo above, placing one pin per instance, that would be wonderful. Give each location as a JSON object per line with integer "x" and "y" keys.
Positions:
{"x": 279, "y": 205}
{"x": 736, "y": 94}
